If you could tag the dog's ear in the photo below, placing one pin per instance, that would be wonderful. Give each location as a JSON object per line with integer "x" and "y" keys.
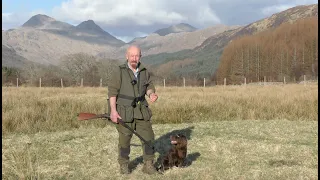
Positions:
{"x": 182, "y": 143}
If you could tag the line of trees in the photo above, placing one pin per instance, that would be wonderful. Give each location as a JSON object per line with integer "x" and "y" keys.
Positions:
{"x": 72, "y": 68}
{"x": 290, "y": 51}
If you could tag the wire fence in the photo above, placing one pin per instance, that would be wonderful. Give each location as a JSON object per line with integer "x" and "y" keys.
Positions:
{"x": 205, "y": 82}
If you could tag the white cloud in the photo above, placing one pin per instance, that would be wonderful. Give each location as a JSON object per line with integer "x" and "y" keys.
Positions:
{"x": 38, "y": 11}
{"x": 7, "y": 17}
{"x": 14, "y": 19}
{"x": 275, "y": 9}
{"x": 11, "y": 20}
{"x": 282, "y": 5}
{"x": 137, "y": 12}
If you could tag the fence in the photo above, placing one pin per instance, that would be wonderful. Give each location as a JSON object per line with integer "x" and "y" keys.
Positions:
{"x": 204, "y": 83}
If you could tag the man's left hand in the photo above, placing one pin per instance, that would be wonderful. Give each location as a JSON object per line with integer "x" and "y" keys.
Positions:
{"x": 153, "y": 97}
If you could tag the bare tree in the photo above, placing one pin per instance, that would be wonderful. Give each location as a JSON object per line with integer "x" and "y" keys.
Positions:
{"x": 105, "y": 69}
{"x": 81, "y": 66}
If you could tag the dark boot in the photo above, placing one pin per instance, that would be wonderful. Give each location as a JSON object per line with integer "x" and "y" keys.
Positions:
{"x": 149, "y": 168}
{"x": 124, "y": 168}
{"x": 123, "y": 160}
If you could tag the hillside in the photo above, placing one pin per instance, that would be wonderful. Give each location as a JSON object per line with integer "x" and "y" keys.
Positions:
{"x": 290, "y": 15}
{"x": 11, "y": 59}
{"x": 174, "y": 42}
{"x": 47, "y": 48}
{"x": 290, "y": 51}
{"x": 206, "y": 57}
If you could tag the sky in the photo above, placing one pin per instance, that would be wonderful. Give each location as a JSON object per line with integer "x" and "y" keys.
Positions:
{"x": 127, "y": 19}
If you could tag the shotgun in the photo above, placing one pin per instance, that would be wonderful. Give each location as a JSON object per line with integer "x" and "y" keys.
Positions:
{"x": 88, "y": 116}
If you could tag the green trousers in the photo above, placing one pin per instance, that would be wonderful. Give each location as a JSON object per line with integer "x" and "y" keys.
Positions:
{"x": 144, "y": 129}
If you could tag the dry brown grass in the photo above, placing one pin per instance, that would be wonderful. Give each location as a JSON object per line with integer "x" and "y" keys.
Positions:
{"x": 261, "y": 149}
{"x": 34, "y": 109}
{"x": 251, "y": 132}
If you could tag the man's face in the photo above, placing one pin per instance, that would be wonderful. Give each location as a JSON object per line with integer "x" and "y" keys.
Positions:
{"x": 133, "y": 57}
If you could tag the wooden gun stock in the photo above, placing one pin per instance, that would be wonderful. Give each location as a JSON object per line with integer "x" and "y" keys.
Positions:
{"x": 87, "y": 116}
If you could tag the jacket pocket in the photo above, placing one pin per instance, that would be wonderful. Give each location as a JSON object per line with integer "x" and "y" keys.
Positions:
{"x": 146, "y": 112}
{"x": 125, "y": 112}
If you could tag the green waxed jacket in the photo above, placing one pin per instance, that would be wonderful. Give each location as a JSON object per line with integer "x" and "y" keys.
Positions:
{"x": 131, "y": 102}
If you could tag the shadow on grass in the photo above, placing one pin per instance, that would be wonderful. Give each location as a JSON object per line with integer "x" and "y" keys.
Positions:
{"x": 162, "y": 146}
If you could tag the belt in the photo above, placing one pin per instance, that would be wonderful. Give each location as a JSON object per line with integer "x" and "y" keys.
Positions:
{"x": 135, "y": 100}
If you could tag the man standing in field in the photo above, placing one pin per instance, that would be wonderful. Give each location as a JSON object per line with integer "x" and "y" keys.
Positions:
{"x": 126, "y": 90}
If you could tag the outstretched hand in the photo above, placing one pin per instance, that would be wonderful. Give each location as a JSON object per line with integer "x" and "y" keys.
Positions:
{"x": 153, "y": 97}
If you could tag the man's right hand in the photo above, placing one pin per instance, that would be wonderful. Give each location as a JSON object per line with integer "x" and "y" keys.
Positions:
{"x": 114, "y": 116}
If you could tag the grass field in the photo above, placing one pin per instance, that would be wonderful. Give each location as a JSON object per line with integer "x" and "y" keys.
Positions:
{"x": 274, "y": 149}
{"x": 32, "y": 109}
{"x": 253, "y": 132}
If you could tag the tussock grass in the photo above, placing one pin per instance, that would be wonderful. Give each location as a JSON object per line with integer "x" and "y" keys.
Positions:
{"x": 34, "y": 109}
{"x": 261, "y": 149}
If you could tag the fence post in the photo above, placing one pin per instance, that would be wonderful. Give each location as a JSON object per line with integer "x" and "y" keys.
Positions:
{"x": 204, "y": 82}
{"x": 184, "y": 82}
{"x": 61, "y": 83}
{"x": 164, "y": 83}
{"x": 225, "y": 82}
{"x": 284, "y": 80}
{"x": 245, "y": 81}
{"x": 100, "y": 82}
{"x": 17, "y": 82}
{"x": 40, "y": 82}
{"x": 304, "y": 80}
{"x": 264, "y": 80}
{"x": 81, "y": 82}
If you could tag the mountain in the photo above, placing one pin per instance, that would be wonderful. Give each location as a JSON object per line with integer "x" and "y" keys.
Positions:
{"x": 48, "y": 48}
{"x": 203, "y": 60}
{"x": 90, "y": 29}
{"x": 41, "y": 21}
{"x": 174, "y": 42}
{"x": 182, "y": 27}
{"x": 44, "y": 40}
{"x": 136, "y": 39}
{"x": 87, "y": 31}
